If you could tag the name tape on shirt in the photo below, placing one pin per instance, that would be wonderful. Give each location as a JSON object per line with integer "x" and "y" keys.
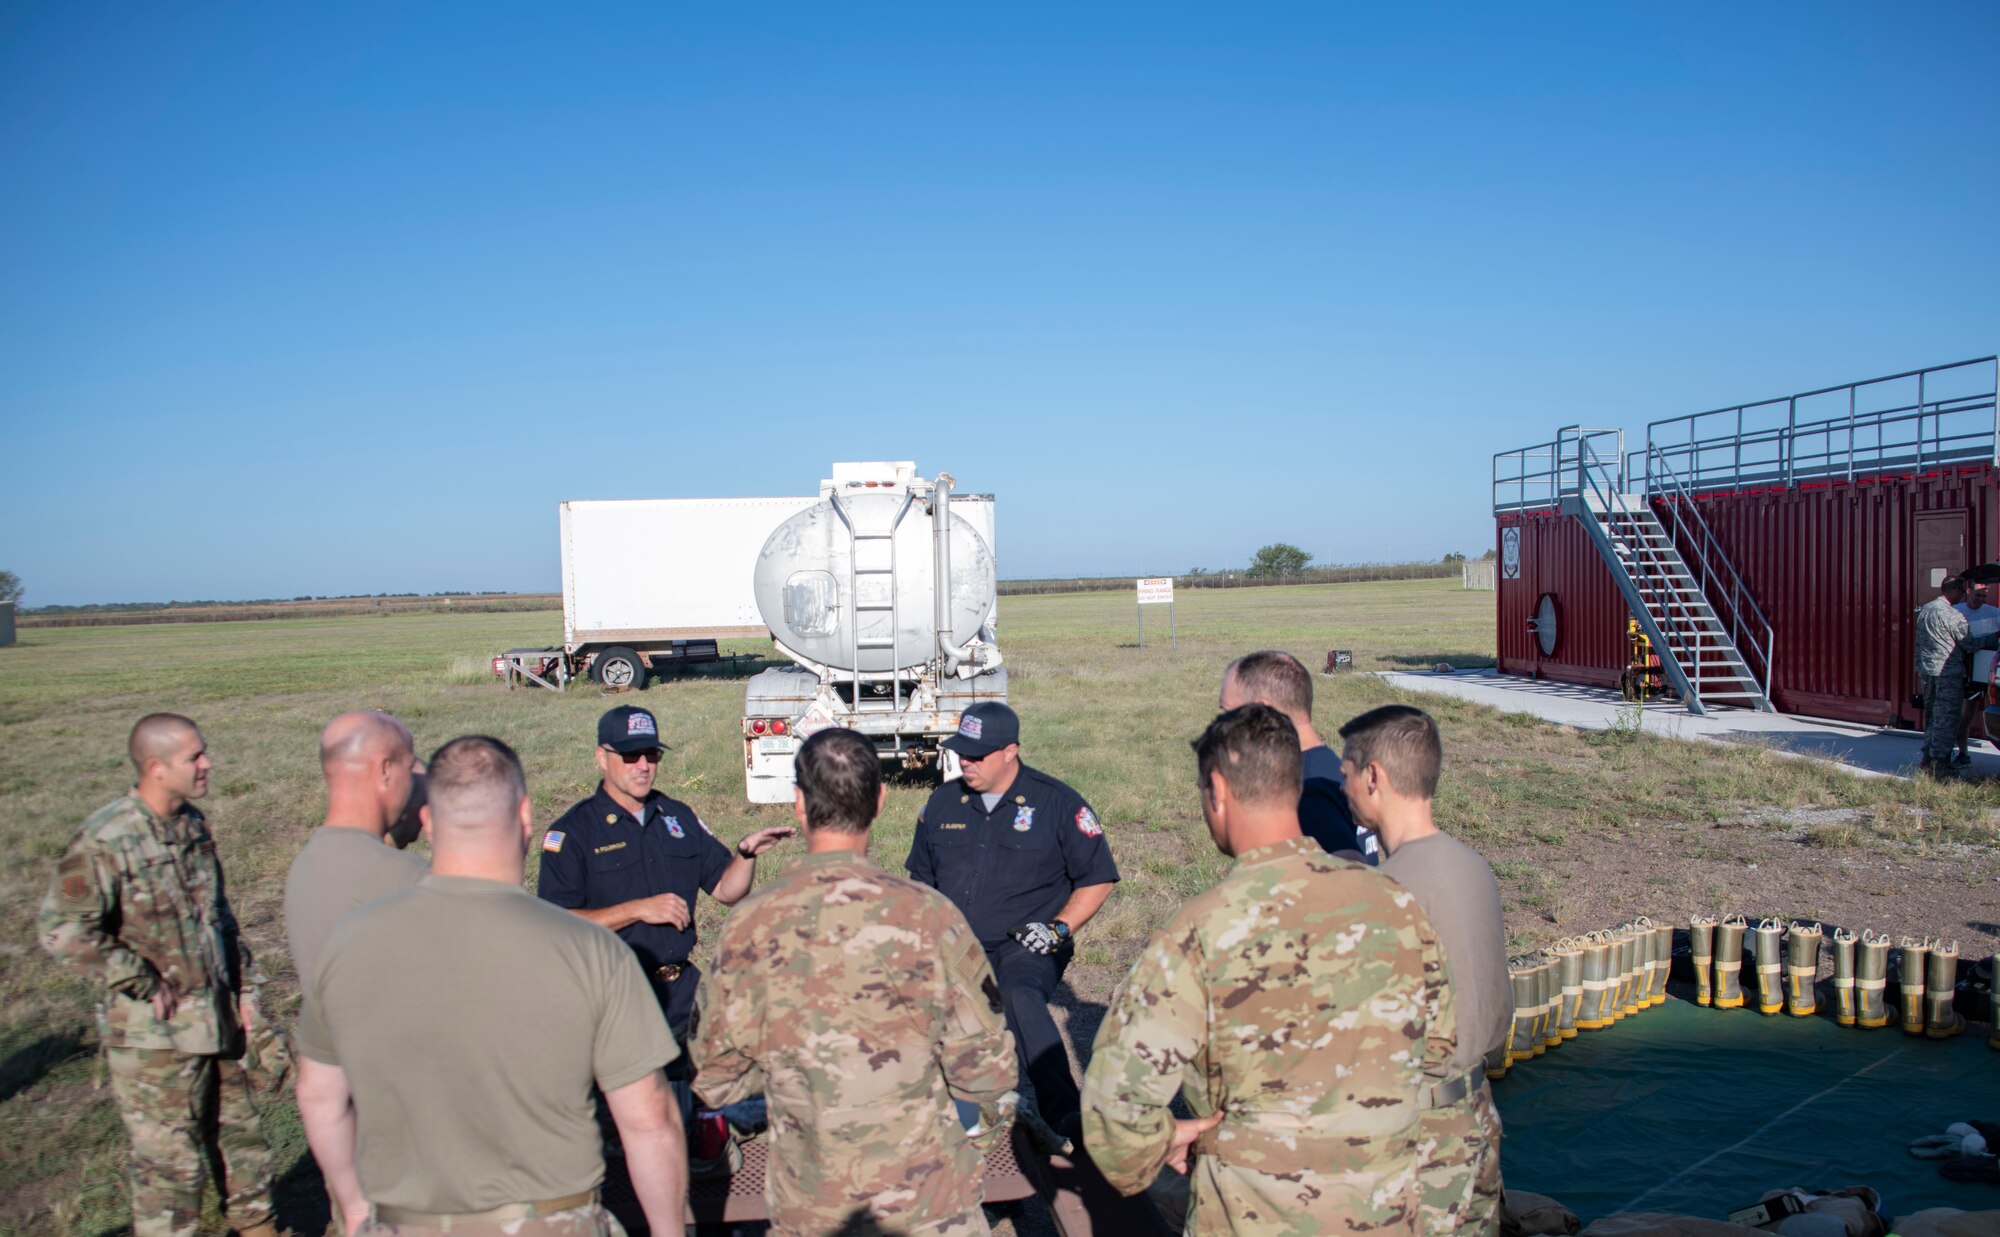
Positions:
{"x": 1086, "y": 823}
{"x": 553, "y": 841}
{"x": 613, "y": 846}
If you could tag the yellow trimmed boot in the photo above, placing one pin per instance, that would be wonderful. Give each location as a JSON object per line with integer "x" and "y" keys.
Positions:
{"x": 1729, "y": 962}
{"x": 1663, "y": 960}
{"x": 1519, "y": 1047}
{"x": 1845, "y": 1012}
{"x": 1911, "y": 954}
{"x": 1569, "y": 983}
{"x": 1871, "y": 979}
{"x": 1551, "y": 985}
{"x": 1767, "y": 947}
{"x": 1802, "y": 969}
{"x": 1701, "y": 948}
{"x": 1596, "y": 983}
{"x": 1941, "y": 1019}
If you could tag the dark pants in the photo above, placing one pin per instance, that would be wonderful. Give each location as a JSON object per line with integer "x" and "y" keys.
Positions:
{"x": 1027, "y": 984}
{"x": 677, "y": 1003}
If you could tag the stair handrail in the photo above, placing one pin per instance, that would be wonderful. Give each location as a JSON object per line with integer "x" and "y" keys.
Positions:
{"x": 1687, "y": 516}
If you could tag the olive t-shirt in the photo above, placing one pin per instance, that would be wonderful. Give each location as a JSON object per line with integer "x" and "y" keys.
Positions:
{"x": 1459, "y": 896}
{"x": 339, "y": 870}
{"x": 471, "y": 1018}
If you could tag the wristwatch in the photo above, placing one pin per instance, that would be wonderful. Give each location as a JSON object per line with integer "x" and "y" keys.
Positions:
{"x": 1062, "y": 929}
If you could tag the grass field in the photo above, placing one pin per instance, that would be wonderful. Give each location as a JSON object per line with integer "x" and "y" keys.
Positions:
{"x": 1556, "y": 810}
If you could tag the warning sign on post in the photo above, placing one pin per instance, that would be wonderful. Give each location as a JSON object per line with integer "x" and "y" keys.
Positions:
{"x": 1157, "y": 592}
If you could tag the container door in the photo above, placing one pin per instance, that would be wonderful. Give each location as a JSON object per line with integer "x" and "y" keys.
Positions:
{"x": 1940, "y": 550}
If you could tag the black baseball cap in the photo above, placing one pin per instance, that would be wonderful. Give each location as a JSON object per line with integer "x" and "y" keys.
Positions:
{"x": 983, "y": 729}
{"x": 628, "y": 728}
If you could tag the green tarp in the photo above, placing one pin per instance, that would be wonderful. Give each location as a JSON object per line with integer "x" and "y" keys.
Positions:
{"x": 1699, "y": 1111}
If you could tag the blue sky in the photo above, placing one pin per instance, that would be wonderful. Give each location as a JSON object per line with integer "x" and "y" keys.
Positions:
{"x": 329, "y": 299}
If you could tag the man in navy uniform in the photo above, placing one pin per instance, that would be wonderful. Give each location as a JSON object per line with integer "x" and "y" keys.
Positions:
{"x": 1024, "y": 858}
{"x": 630, "y": 859}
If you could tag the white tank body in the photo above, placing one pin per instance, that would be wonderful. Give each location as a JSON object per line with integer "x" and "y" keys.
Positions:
{"x": 825, "y": 592}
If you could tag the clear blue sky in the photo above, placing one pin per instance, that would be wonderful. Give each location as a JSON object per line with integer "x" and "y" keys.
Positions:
{"x": 345, "y": 298}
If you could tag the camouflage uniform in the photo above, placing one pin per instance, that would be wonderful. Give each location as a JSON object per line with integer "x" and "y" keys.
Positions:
{"x": 1305, "y": 996}
{"x": 1942, "y": 637}
{"x": 1459, "y": 1174}
{"x": 138, "y": 901}
{"x": 588, "y": 1221}
{"x": 861, "y": 1005}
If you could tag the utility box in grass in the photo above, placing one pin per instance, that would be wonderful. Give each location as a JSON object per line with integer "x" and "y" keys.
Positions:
{"x": 6, "y": 623}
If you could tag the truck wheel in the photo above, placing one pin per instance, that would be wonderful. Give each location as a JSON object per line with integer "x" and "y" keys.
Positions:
{"x": 618, "y": 670}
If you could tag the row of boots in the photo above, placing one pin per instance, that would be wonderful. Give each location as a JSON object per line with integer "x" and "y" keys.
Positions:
{"x": 1583, "y": 983}
{"x": 1786, "y": 961}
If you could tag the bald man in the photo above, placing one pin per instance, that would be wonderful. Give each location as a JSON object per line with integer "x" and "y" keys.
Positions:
{"x": 369, "y": 763}
{"x": 138, "y": 909}
{"x": 522, "y": 1007}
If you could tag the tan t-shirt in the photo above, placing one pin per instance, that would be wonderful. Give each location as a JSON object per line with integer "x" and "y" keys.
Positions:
{"x": 471, "y": 1019}
{"x": 339, "y": 870}
{"x": 1462, "y": 901}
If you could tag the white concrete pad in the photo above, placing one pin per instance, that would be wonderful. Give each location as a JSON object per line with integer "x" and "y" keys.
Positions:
{"x": 1867, "y": 751}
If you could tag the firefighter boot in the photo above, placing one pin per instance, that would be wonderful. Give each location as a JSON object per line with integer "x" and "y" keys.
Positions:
{"x": 1729, "y": 962}
{"x": 1569, "y": 981}
{"x": 1625, "y": 954}
{"x": 1596, "y": 983}
{"x": 1843, "y": 977}
{"x": 1552, "y": 1001}
{"x": 1701, "y": 949}
{"x": 1910, "y": 982}
{"x": 1801, "y": 969}
{"x": 1871, "y": 979}
{"x": 1941, "y": 1020}
{"x": 1663, "y": 960}
{"x": 1768, "y": 949}
{"x": 1518, "y": 1047}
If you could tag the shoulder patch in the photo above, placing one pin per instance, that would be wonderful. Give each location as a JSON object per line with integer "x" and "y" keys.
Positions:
{"x": 553, "y": 840}
{"x": 75, "y": 889}
{"x": 1086, "y": 823}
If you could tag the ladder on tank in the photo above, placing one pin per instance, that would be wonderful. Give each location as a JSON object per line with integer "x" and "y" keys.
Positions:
{"x": 880, "y": 572}
{"x": 1702, "y": 647}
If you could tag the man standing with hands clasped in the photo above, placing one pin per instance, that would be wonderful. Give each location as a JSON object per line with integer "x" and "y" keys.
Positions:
{"x": 631, "y": 859}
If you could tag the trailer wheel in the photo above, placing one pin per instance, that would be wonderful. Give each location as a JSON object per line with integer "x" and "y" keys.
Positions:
{"x": 618, "y": 670}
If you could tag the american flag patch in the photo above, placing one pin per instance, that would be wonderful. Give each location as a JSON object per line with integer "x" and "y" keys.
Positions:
{"x": 553, "y": 841}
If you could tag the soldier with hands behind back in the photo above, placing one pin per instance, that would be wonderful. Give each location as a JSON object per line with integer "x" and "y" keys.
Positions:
{"x": 1392, "y": 764}
{"x": 1024, "y": 857}
{"x": 861, "y": 1005}
{"x": 1299, "y": 1007}
{"x": 138, "y": 908}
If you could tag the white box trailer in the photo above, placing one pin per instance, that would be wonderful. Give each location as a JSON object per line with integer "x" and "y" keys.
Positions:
{"x": 652, "y": 583}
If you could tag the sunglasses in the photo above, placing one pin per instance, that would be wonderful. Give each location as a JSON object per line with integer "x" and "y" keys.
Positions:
{"x": 651, "y": 755}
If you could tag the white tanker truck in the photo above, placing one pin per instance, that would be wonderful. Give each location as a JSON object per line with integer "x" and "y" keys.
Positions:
{"x": 850, "y": 590}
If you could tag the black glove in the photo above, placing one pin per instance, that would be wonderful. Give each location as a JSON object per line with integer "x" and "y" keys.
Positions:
{"x": 1041, "y": 938}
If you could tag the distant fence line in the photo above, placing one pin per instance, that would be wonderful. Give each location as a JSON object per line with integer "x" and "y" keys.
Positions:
{"x": 339, "y": 607}
{"x": 1237, "y": 579}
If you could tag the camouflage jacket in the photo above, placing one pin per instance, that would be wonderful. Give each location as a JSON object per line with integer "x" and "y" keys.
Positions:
{"x": 861, "y": 1005}
{"x": 138, "y": 901}
{"x": 1941, "y": 633}
{"x": 1305, "y": 996}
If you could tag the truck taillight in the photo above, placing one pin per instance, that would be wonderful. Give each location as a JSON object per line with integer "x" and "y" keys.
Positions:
{"x": 778, "y": 727}
{"x": 757, "y": 727}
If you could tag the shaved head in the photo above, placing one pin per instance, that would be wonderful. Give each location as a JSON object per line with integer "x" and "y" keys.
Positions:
{"x": 363, "y": 739}
{"x": 158, "y": 736}
{"x": 476, "y": 787}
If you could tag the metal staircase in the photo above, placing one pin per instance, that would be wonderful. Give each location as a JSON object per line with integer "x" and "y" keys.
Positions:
{"x": 1672, "y": 575}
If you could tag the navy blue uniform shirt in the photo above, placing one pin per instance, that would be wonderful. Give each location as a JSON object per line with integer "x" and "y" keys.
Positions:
{"x": 1324, "y": 815}
{"x": 1016, "y": 864}
{"x": 598, "y": 855}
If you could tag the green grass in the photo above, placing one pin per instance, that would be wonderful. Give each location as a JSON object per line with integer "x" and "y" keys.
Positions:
{"x": 1110, "y": 718}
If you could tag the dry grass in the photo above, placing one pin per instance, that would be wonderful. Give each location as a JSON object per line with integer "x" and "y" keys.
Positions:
{"x": 1097, "y": 711}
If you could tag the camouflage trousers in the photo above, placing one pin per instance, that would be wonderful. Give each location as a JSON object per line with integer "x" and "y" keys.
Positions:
{"x": 1460, "y": 1172}
{"x": 188, "y": 1115}
{"x": 587, "y": 1221}
{"x": 1944, "y": 704}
